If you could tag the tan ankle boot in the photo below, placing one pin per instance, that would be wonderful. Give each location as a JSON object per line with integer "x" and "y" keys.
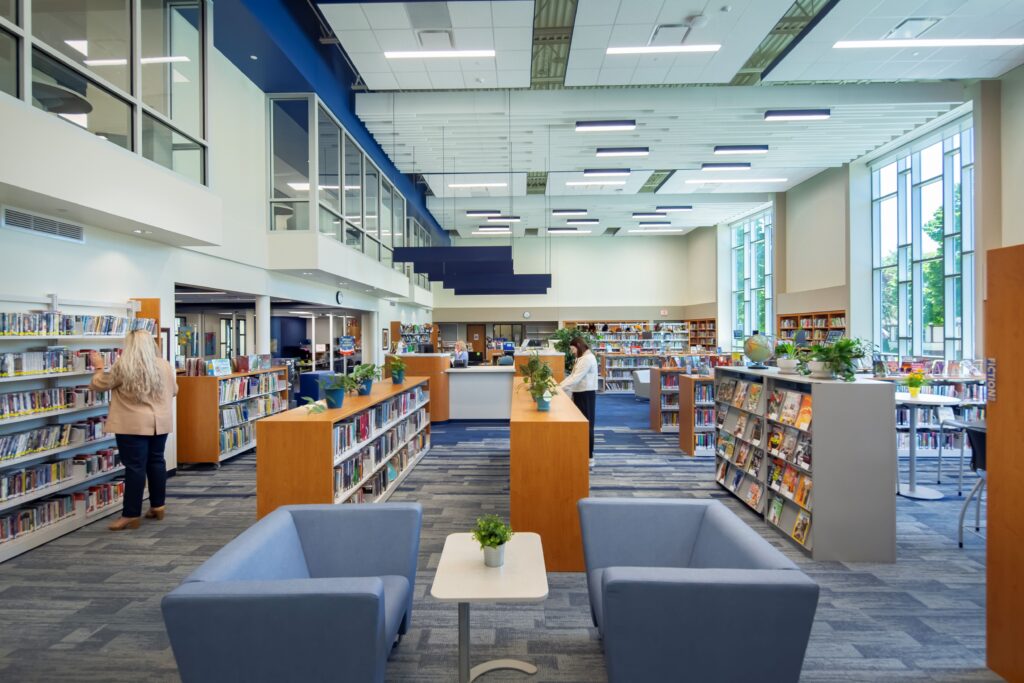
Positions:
{"x": 156, "y": 513}
{"x": 125, "y": 523}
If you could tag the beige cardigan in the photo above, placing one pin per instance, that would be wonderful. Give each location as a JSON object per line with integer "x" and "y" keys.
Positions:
{"x": 128, "y": 416}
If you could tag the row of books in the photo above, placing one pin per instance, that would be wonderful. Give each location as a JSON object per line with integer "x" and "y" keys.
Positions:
{"x": 790, "y": 482}
{"x": 670, "y": 418}
{"x": 35, "y": 515}
{"x": 379, "y": 482}
{"x": 789, "y": 444}
{"x": 20, "y": 482}
{"x": 359, "y": 428}
{"x": 103, "y": 460}
{"x": 40, "y": 401}
{"x": 632, "y": 362}
{"x": 704, "y": 440}
{"x": 18, "y": 444}
{"x": 930, "y": 440}
{"x": 669, "y": 380}
{"x": 965, "y": 391}
{"x": 236, "y": 437}
{"x": 704, "y": 392}
{"x": 251, "y": 362}
{"x": 790, "y": 408}
{"x": 236, "y": 388}
{"x": 741, "y": 394}
{"x": 253, "y": 409}
{"x": 937, "y": 369}
{"x": 733, "y": 479}
{"x": 55, "y": 323}
{"x": 704, "y": 417}
{"x": 52, "y": 360}
{"x": 801, "y": 530}
{"x": 670, "y": 400}
{"x": 743, "y": 454}
{"x": 103, "y": 495}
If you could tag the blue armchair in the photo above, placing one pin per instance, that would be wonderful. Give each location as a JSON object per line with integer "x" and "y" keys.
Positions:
{"x": 308, "y": 593}
{"x": 683, "y": 589}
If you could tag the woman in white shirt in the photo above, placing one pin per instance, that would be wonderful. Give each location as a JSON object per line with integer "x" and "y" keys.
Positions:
{"x": 582, "y": 383}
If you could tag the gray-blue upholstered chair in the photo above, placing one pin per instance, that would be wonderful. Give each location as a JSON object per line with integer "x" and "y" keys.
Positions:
{"x": 684, "y": 590}
{"x": 308, "y": 593}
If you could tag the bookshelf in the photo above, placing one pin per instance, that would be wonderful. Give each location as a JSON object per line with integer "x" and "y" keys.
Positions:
{"x": 970, "y": 391}
{"x": 404, "y": 334}
{"x": 358, "y": 453}
{"x": 642, "y": 336}
{"x": 664, "y": 406}
{"x": 58, "y": 470}
{"x": 697, "y": 414}
{"x": 616, "y": 369}
{"x": 822, "y": 326}
{"x": 703, "y": 332}
{"x": 800, "y": 454}
{"x": 217, "y": 415}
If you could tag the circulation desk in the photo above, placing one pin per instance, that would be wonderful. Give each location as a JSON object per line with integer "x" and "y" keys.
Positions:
{"x": 549, "y": 474}
{"x": 433, "y": 366}
{"x": 480, "y": 392}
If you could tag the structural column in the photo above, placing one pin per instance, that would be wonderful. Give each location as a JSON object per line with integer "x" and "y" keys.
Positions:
{"x": 263, "y": 324}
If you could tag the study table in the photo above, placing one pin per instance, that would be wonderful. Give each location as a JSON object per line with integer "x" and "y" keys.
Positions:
{"x": 480, "y": 392}
{"x": 914, "y": 404}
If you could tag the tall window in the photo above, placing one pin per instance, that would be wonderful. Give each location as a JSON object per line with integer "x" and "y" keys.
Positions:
{"x": 752, "y": 285}
{"x": 225, "y": 338}
{"x": 923, "y": 243}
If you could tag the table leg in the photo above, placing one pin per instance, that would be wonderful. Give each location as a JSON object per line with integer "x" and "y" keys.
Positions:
{"x": 912, "y": 490}
{"x": 464, "y": 642}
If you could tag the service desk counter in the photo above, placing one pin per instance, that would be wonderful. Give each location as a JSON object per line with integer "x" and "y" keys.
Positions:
{"x": 482, "y": 392}
{"x": 433, "y": 366}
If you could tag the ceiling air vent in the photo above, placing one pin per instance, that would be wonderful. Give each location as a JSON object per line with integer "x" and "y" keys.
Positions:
{"x": 43, "y": 225}
{"x": 532, "y": 232}
{"x": 612, "y": 231}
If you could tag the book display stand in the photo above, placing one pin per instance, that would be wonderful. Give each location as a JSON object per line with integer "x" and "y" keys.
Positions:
{"x": 821, "y": 326}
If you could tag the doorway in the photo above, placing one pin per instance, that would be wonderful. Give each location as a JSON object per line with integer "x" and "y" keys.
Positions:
{"x": 476, "y": 337}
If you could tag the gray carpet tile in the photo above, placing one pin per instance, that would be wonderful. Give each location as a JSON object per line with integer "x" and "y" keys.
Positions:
{"x": 86, "y": 607}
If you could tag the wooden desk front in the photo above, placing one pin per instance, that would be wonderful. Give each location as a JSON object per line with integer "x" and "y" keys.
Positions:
{"x": 435, "y": 367}
{"x": 550, "y": 472}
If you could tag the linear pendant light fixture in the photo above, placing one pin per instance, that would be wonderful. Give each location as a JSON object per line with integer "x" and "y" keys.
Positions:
{"x": 493, "y": 228}
{"x": 653, "y": 224}
{"x": 599, "y": 126}
{"x": 466, "y": 186}
{"x": 700, "y": 181}
{"x": 605, "y": 172}
{"x": 729, "y": 166}
{"x": 503, "y": 219}
{"x": 797, "y": 114}
{"x": 655, "y": 231}
{"x": 593, "y": 183}
{"x": 483, "y": 213}
{"x": 568, "y": 212}
{"x": 649, "y": 214}
{"x": 438, "y": 54}
{"x": 929, "y": 42}
{"x": 741, "y": 149}
{"x": 673, "y": 209}
{"x": 623, "y": 151}
{"x": 661, "y": 49}
{"x": 582, "y": 221}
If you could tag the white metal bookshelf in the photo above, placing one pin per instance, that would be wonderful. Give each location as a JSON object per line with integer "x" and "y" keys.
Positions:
{"x": 78, "y": 481}
{"x": 834, "y": 491}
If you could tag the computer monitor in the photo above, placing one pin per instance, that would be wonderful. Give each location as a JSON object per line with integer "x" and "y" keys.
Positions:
{"x": 426, "y": 348}
{"x": 460, "y": 363}
{"x": 476, "y": 357}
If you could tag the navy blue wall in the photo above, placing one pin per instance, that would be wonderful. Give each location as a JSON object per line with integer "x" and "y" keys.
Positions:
{"x": 282, "y": 35}
{"x": 287, "y": 331}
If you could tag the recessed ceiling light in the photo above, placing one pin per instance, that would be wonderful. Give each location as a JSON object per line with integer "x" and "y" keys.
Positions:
{"x": 568, "y": 212}
{"x": 253, "y": 57}
{"x": 732, "y": 166}
{"x": 352, "y": 187}
{"x": 583, "y": 221}
{"x": 797, "y": 114}
{"x": 661, "y": 49}
{"x": 741, "y": 149}
{"x": 437, "y": 54}
{"x": 465, "y": 186}
{"x": 698, "y": 181}
{"x": 484, "y": 233}
{"x": 493, "y": 228}
{"x": 598, "y": 126}
{"x": 644, "y": 224}
{"x": 483, "y": 212}
{"x": 503, "y": 219}
{"x": 623, "y": 151}
{"x": 593, "y": 183}
{"x": 567, "y": 231}
{"x": 673, "y": 209}
{"x": 605, "y": 172}
{"x": 656, "y": 230}
{"x": 648, "y": 214}
{"x": 929, "y": 42}
{"x": 563, "y": 230}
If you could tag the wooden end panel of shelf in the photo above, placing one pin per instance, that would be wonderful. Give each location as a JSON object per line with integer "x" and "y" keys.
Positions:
{"x": 549, "y": 474}
{"x": 687, "y": 406}
{"x": 436, "y": 369}
{"x": 198, "y": 432}
{"x": 294, "y": 464}
{"x": 1005, "y": 564}
{"x": 655, "y": 402}
{"x": 553, "y": 361}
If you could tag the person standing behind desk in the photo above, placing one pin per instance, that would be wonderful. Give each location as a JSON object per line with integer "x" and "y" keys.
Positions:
{"x": 461, "y": 357}
{"x": 582, "y": 384}
{"x": 142, "y": 388}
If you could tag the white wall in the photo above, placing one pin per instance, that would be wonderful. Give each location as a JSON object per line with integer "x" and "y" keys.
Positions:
{"x": 816, "y": 219}
{"x": 1012, "y": 120}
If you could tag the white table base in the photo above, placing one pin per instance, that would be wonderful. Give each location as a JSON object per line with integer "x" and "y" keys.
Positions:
{"x": 467, "y": 675}
{"x": 911, "y": 489}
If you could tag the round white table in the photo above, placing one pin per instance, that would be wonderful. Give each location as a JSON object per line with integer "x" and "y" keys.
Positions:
{"x": 911, "y": 489}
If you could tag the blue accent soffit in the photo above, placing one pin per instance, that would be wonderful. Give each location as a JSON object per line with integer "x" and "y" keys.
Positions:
{"x": 283, "y": 34}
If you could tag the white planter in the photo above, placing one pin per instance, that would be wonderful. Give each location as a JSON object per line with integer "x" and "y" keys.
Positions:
{"x": 787, "y": 366}
{"x": 494, "y": 557}
{"x": 820, "y": 370}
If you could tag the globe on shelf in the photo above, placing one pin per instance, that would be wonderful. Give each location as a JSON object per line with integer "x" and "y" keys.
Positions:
{"x": 757, "y": 348}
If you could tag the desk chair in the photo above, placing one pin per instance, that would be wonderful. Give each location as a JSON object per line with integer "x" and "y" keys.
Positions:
{"x": 948, "y": 422}
{"x": 506, "y": 360}
{"x": 977, "y": 436}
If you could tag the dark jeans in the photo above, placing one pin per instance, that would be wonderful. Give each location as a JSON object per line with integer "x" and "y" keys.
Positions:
{"x": 586, "y": 401}
{"x": 143, "y": 458}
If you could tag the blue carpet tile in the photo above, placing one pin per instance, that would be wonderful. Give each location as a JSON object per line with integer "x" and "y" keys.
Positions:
{"x": 86, "y": 607}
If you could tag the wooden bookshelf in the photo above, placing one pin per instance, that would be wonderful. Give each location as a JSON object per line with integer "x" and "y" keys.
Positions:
{"x": 972, "y": 394}
{"x": 657, "y": 336}
{"x": 664, "y": 404}
{"x": 616, "y": 369}
{"x": 696, "y": 414}
{"x": 819, "y": 325}
{"x": 433, "y": 366}
{"x": 553, "y": 359}
{"x": 298, "y": 454}
{"x": 415, "y": 333}
{"x": 201, "y": 422}
{"x": 847, "y": 471}
{"x": 548, "y": 475}
{"x": 703, "y": 332}
{"x": 73, "y": 482}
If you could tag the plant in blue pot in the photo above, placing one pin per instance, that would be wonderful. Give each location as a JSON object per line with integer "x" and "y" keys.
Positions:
{"x": 538, "y": 380}
{"x": 335, "y": 387}
{"x": 397, "y": 367}
{"x": 364, "y": 374}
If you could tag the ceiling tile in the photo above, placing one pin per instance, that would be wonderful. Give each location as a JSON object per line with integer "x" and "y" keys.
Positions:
{"x": 513, "y": 38}
{"x": 586, "y": 37}
{"x": 596, "y": 12}
{"x": 512, "y": 13}
{"x": 447, "y": 80}
{"x": 386, "y": 15}
{"x": 370, "y": 63}
{"x": 614, "y": 76}
{"x": 350, "y": 17}
{"x": 413, "y": 81}
{"x": 470, "y": 14}
{"x": 586, "y": 59}
{"x": 650, "y": 75}
{"x": 629, "y": 35}
{"x": 514, "y": 79}
{"x": 644, "y": 11}
{"x": 358, "y": 41}
{"x": 380, "y": 81}
{"x": 581, "y": 77}
{"x": 514, "y": 59}
{"x": 474, "y": 39}
{"x": 397, "y": 39}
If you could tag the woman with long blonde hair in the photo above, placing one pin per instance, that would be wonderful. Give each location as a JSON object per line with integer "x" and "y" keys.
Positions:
{"x": 142, "y": 386}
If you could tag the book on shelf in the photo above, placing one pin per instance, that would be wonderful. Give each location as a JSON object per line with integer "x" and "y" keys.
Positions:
{"x": 730, "y": 448}
{"x": 737, "y": 478}
{"x": 788, "y": 445}
{"x": 802, "y": 527}
{"x": 720, "y": 414}
{"x": 58, "y": 324}
{"x": 726, "y": 389}
{"x": 753, "y": 395}
{"x": 834, "y": 336}
{"x": 755, "y": 463}
{"x": 740, "y": 395}
{"x": 742, "y": 455}
{"x": 723, "y": 469}
{"x": 803, "y": 418}
{"x": 789, "y": 481}
{"x": 803, "y": 491}
{"x": 741, "y": 425}
{"x": 775, "y": 510}
{"x": 49, "y": 437}
{"x": 802, "y": 453}
{"x": 756, "y": 432}
{"x": 790, "y": 407}
{"x": 775, "y": 439}
{"x": 775, "y": 404}
{"x": 776, "y": 470}
{"x": 754, "y": 495}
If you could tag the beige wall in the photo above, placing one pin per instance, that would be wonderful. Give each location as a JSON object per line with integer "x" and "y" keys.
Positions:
{"x": 1012, "y": 125}
{"x": 815, "y": 244}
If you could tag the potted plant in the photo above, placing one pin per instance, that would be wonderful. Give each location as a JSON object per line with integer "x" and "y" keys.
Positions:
{"x": 914, "y": 382}
{"x": 335, "y": 387}
{"x": 837, "y": 358}
{"x": 786, "y": 358}
{"x": 538, "y": 380}
{"x": 564, "y": 336}
{"x": 397, "y": 367}
{"x": 364, "y": 374}
{"x": 492, "y": 534}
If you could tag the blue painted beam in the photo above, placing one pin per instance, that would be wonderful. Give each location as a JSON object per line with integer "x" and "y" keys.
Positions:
{"x": 524, "y": 281}
{"x": 451, "y": 254}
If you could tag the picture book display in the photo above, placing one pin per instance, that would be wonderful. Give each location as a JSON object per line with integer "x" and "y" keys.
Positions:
{"x": 802, "y": 453}
{"x": 741, "y": 425}
{"x": 803, "y": 418}
{"x": 753, "y": 397}
{"x": 790, "y": 407}
{"x": 754, "y": 495}
{"x": 802, "y": 527}
{"x": 756, "y": 432}
{"x": 726, "y": 390}
{"x": 788, "y": 445}
{"x": 775, "y": 510}
{"x": 740, "y": 395}
{"x": 743, "y": 455}
{"x": 803, "y": 491}
{"x": 755, "y": 464}
{"x": 789, "y": 482}
{"x": 775, "y": 471}
{"x": 775, "y": 439}
{"x": 775, "y": 404}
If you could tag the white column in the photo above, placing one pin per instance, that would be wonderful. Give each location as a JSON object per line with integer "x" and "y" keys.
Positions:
{"x": 262, "y": 324}
{"x": 330, "y": 342}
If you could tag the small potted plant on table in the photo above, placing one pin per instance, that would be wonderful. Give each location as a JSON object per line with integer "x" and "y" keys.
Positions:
{"x": 492, "y": 534}
{"x": 397, "y": 367}
{"x": 786, "y": 358}
{"x": 539, "y": 381}
{"x": 364, "y": 374}
{"x": 335, "y": 387}
{"x": 914, "y": 382}
{"x": 837, "y": 358}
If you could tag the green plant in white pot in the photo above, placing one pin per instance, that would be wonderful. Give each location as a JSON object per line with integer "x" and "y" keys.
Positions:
{"x": 838, "y": 358}
{"x": 786, "y": 358}
{"x": 492, "y": 534}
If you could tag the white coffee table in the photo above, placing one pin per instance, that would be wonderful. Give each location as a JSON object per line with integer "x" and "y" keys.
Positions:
{"x": 463, "y": 577}
{"x": 911, "y": 489}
